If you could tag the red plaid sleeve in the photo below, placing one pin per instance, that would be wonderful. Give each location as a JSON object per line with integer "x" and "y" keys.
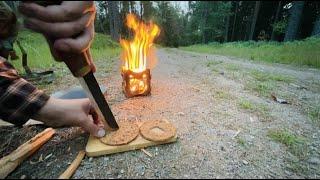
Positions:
{"x": 19, "y": 100}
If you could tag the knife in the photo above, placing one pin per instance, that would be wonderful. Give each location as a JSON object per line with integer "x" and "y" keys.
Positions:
{"x": 80, "y": 68}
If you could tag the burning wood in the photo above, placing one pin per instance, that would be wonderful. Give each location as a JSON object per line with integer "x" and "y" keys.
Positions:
{"x": 136, "y": 77}
{"x": 136, "y": 83}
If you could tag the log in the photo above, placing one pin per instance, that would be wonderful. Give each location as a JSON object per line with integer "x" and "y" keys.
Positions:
{"x": 73, "y": 166}
{"x": 10, "y": 162}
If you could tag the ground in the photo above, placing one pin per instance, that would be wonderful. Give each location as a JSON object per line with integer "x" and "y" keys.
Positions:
{"x": 228, "y": 124}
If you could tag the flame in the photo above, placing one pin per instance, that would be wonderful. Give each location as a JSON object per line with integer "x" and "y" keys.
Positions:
{"x": 136, "y": 52}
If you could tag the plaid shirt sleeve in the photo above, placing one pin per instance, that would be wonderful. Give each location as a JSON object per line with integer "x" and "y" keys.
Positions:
{"x": 19, "y": 100}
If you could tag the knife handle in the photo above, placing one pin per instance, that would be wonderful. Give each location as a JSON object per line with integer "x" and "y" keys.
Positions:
{"x": 79, "y": 64}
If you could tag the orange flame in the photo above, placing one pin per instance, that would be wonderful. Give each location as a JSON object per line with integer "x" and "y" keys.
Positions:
{"x": 135, "y": 53}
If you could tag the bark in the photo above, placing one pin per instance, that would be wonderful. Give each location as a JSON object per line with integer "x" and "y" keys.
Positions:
{"x": 114, "y": 19}
{"x": 294, "y": 21}
{"x": 273, "y": 34}
{"x": 234, "y": 21}
{"x": 227, "y": 29}
{"x": 254, "y": 19}
{"x": 316, "y": 27}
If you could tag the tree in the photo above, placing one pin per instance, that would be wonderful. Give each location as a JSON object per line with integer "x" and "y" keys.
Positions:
{"x": 316, "y": 27}
{"x": 294, "y": 20}
{"x": 276, "y": 20}
{"x": 114, "y": 18}
{"x": 147, "y": 10}
{"x": 132, "y": 7}
{"x": 254, "y": 19}
{"x": 123, "y": 13}
{"x": 234, "y": 20}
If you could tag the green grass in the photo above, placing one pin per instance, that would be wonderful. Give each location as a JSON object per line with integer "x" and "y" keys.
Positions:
{"x": 265, "y": 83}
{"x": 296, "y": 144}
{"x": 301, "y": 53}
{"x": 241, "y": 142}
{"x": 283, "y": 136}
{"x": 232, "y": 67}
{"x": 260, "y": 109}
{"x": 263, "y": 76}
{"x": 314, "y": 114}
{"x": 39, "y": 56}
{"x": 245, "y": 104}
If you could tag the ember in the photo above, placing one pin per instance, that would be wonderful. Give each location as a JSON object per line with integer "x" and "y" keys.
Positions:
{"x": 135, "y": 56}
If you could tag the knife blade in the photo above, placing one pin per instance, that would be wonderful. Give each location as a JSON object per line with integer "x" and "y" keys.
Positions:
{"x": 80, "y": 68}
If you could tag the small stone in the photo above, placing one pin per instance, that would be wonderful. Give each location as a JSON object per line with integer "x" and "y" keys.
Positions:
{"x": 222, "y": 73}
{"x": 245, "y": 162}
{"x": 314, "y": 160}
{"x": 23, "y": 177}
{"x": 119, "y": 176}
{"x": 90, "y": 159}
{"x": 106, "y": 159}
{"x": 180, "y": 113}
{"x": 121, "y": 171}
{"x": 222, "y": 148}
{"x": 287, "y": 173}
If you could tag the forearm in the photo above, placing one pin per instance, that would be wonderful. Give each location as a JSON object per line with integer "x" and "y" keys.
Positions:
{"x": 19, "y": 100}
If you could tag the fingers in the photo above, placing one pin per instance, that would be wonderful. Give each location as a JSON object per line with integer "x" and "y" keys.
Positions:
{"x": 67, "y": 11}
{"x": 93, "y": 67}
{"x": 92, "y": 124}
{"x": 59, "y": 29}
{"x": 78, "y": 44}
{"x": 94, "y": 129}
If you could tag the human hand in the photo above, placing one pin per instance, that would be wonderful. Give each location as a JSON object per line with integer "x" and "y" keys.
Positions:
{"x": 75, "y": 112}
{"x": 68, "y": 27}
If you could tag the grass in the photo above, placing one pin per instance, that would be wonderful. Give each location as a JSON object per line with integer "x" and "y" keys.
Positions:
{"x": 245, "y": 104}
{"x": 265, "y": 83}
{"x": 300, "y": 53}
{"x": 232, "y": 67}
{"x": 39, "y": 56}
{"x": 241, "y": 142}
{"x": 314, "y": 114}
{"x": 296, "y": 144}
{"x": 222, "y": 94}
{"x": 260, "y": 109}
{"x": 283, "y": 136}
{"x": 263, "y": 76}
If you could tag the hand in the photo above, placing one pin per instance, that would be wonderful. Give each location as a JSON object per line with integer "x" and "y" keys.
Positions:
{"x": 75, "y": 112}
{"x": 68, "y": 27}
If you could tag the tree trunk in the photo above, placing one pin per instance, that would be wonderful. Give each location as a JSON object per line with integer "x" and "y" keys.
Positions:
{"x": 254, "y": 19}
{"x": 141, "y": 9}
{"x": 234, "y": 21}
{"x": 132, "y": 8}
{"x": 294, "y": 21}
{"x": 273, "y": 34}
{"x": 114, "y": 20}
{"x": 227, "y": 29}
{"x": 316, "y": 27}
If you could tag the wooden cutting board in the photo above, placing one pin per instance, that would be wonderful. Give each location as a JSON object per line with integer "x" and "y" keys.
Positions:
{"x": 96, "y": 148}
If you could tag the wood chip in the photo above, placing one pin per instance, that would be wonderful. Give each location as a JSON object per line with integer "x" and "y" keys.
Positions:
{"x": 147, "y": 153}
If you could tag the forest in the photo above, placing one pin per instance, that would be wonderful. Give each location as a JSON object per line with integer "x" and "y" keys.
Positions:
{"x": 215, "y": 21}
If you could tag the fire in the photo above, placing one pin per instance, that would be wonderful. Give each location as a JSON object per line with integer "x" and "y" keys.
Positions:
{"x": 136, "y": 76}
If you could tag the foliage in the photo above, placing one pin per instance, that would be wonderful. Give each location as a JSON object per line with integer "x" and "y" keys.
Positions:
{"x": 300, "y": 53}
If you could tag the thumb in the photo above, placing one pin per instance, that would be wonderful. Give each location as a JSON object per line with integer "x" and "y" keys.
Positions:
{"x": 92, "y": 128}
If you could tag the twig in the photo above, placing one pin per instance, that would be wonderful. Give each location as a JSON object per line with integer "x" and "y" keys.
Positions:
{"x": 147, "y": 153}
{"x": 73, "y": 166}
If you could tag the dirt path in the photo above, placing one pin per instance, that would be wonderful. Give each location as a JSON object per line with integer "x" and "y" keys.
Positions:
{"x": 227, "y": 123}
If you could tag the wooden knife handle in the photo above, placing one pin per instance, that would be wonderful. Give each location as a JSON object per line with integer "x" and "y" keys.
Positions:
{"x": 79, "y": 64}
